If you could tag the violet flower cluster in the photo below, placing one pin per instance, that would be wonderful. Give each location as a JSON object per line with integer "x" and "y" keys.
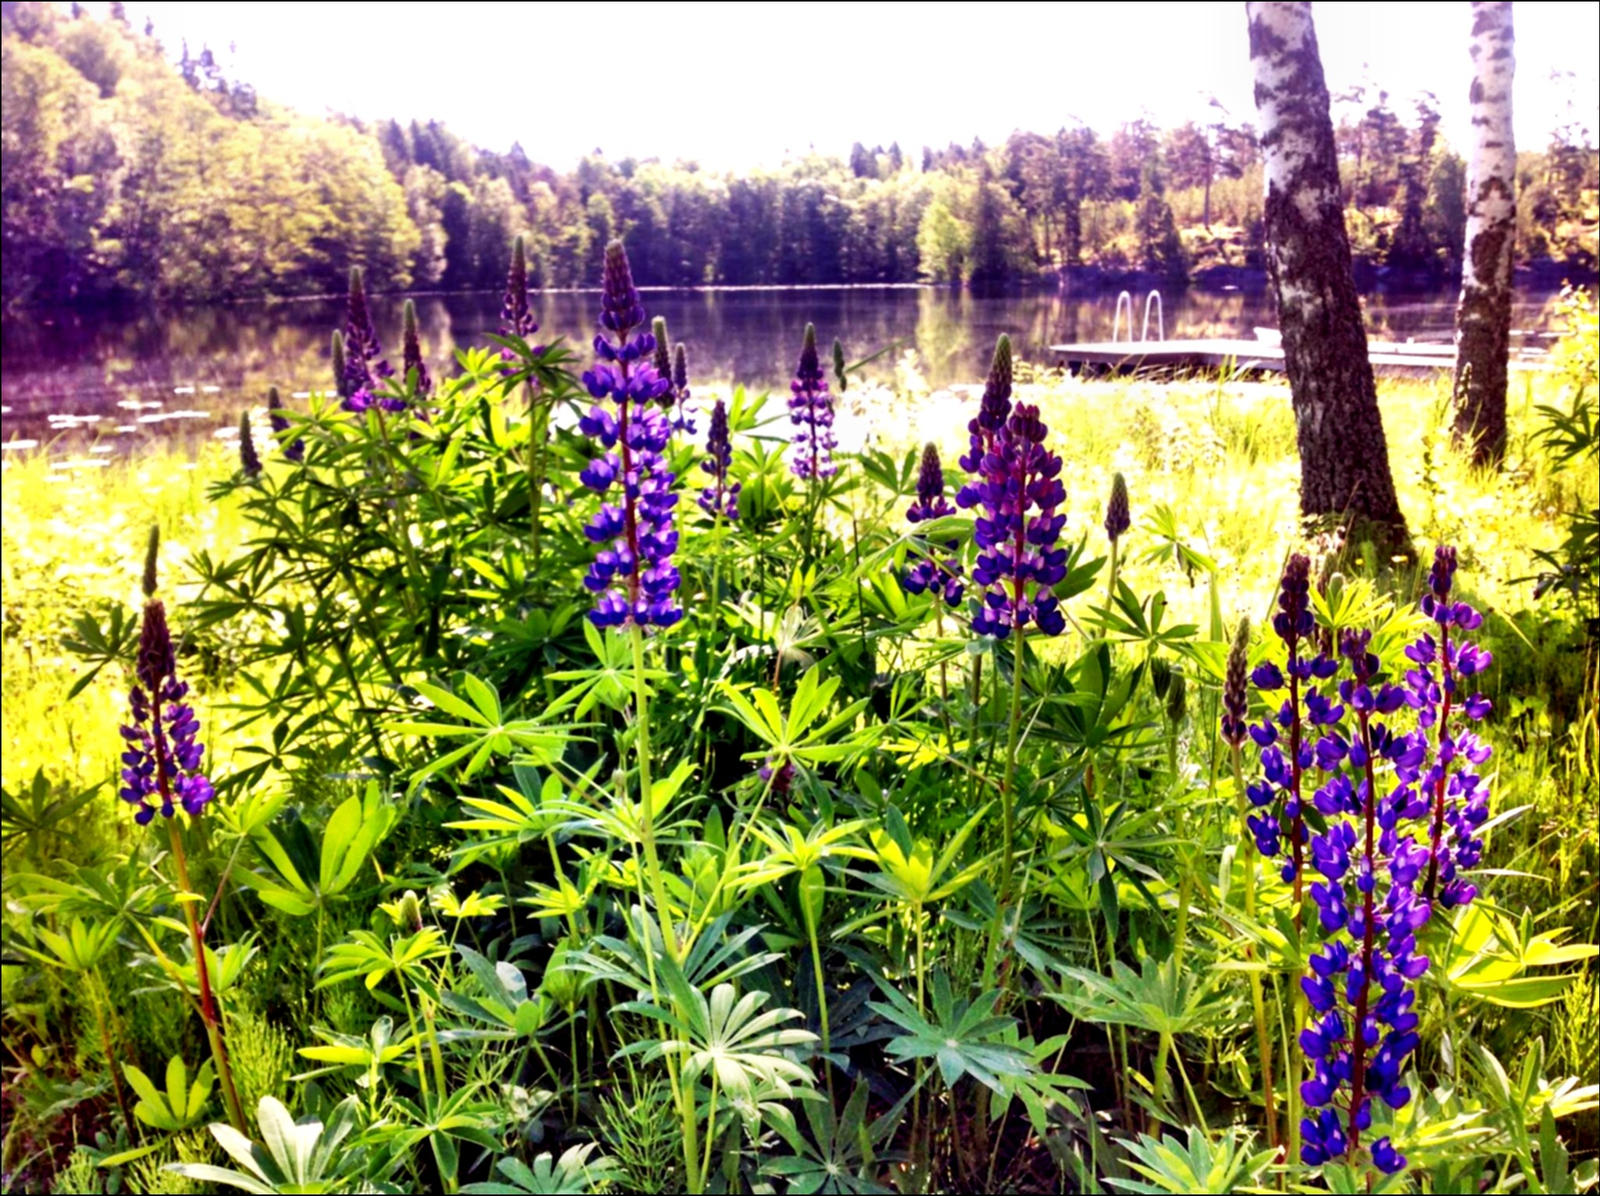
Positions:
{"x": 932, "y": 571}
{"x": 161, "y": 763}
{"x": 364, "y": 366}
{"x": 632, "y": 572}
{"x": 811, "y": 414}
{"x": 1018, "y": 491}
{"x": 722, "y": 496}
{"x": 1387, "y": 852}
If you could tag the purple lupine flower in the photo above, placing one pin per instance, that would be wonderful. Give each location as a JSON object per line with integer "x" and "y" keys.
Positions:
{"x": 929, "y": 573}
{"x": 632, "y": 573}
{"x": 811, "y": 413}
{"x": 722, "y": 496}
{"x": 1459, "y": 799}
{"x": 1018, "y": 560}
{"x": 161, "y": 762}
{"x": 1360, "y": 976}
{"x": 295, "y": 450}
{"x": 993, "y": 411}
{"x": 1277, "y": 797}
{"x": 364, "y": 366}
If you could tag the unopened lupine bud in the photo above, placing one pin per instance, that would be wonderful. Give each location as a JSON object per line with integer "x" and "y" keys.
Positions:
{"x": 249, "y": 459}
{"x": 411, "y": 342}
{"x": 1177, "y": 698}
{"x": 1235, "y": 691}
{"x": 295, "y": 451}
{"x": 838, "y": 364}
{"x": 1117, "y": 518}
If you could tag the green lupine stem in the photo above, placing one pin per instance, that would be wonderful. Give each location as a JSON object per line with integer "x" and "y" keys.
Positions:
{"x": 538, "y": 439}
{"x": 1008, "y": 801}
{"x": 1257, "y": 1001}
{"x": 111, "y": 1065}
{"x": 210, "y": 1010}
{"x": 416, "y": 1043}
{"x": 647, "y": 829}
{"x": 682, "y": 1094}
{"x": 1111, "y": 588}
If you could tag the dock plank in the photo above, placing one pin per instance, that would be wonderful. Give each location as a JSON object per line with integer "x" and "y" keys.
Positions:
{"x": 1243, "y": 354}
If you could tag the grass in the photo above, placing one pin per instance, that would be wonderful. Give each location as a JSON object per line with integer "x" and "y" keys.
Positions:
{"x": 1220, "y": 454}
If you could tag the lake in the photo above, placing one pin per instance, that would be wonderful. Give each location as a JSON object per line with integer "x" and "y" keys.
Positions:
{"x": 110, "y": 381}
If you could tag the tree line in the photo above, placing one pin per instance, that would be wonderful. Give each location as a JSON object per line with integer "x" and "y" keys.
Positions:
{"x": 128, "y": 174}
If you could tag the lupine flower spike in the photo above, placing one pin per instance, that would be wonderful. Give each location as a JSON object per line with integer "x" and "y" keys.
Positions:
{"x": 295, "y": 450}
{"x": 161, "y": 763}
{"x": 364, "y": 366}
{"x": 1364, "y": 1027}
{"x": 1277, "y": 796}
{"x": 928, "y": 572}
{"x": 516, "y": 319}
{"x": 632, "y": 572}
{"x": 811, "y": 413}
{"x": 722, "y": 496}
{"x": 993, "y": 411}
{"x": 1459, "y": 801}
{"x": 1018, "y": 560}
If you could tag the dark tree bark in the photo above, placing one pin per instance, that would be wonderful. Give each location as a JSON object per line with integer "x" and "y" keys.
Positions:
{"x": 1483, "y": 318}
{"x": 1344, "y": 458}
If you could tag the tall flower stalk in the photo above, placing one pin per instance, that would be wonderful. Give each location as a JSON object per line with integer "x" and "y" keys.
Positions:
{"x": 1235, "y": 727}
{"x": 811, "y": 414}
{"x": 932, "y": 571}
{"x": 632, "y": 573}
{"x": 1386, "y": 853}
{"x": 516, "y": 320}
{"x": 162, "y": 772}
{"x": 293, "y": 450}
{"x": 720, "y": 500}
{"x": 1018, "y": 562}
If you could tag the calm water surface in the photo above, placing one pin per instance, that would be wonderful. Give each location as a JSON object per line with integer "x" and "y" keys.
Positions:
{"x": 104, "y": 382}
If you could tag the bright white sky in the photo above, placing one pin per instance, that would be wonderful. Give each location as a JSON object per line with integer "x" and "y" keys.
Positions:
{"x": 737, "y": 85}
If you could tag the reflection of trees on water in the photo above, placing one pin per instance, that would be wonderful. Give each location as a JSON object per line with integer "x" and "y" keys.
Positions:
{"x": 85, "y": 363}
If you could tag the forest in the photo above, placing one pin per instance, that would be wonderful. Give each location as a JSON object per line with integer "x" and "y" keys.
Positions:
{"x": 126, "y": 174}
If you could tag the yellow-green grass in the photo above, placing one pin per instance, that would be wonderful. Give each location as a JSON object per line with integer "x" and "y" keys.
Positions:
{"x": 1220, "y": 454}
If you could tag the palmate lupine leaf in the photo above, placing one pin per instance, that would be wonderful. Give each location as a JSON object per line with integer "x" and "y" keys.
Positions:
{"x": 572, "y": 1174}
{"x": 728, "y": 1036}
{"x": 1169, "y": 1164}
{"x": 839, "y": 1154}
{"x": 965, "y": 1038}
{"x": 484, "y": 725}
{"x": 1155, "y": 998}
{"x": 291, "y": 1157}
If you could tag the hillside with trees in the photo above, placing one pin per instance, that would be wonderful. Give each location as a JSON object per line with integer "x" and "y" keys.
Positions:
{"x": 129, "y": 171}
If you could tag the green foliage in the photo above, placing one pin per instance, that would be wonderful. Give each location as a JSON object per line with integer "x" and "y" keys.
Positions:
{"x": 292, "y": 1156}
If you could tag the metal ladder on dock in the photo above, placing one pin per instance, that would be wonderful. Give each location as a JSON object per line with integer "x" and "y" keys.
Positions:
{"x": 1144, "y": 331}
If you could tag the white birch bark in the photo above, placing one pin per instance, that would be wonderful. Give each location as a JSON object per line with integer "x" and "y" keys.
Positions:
{"x": 1483, "y": 317}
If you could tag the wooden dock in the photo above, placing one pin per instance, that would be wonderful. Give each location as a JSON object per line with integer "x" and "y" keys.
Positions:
{"x": 1253, "y": 356}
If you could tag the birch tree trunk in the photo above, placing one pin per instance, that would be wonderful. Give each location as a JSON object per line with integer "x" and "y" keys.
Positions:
{"x": 1483, "y": 317}
{"x": 1344, "y": 458}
